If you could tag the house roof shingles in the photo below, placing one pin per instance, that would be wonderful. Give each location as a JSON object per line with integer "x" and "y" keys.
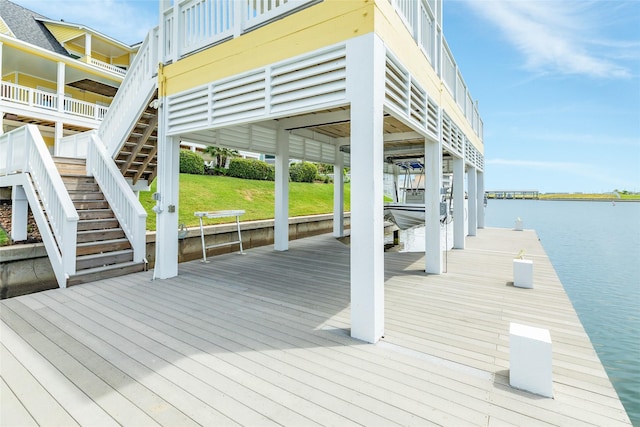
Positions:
{"x": 25, "y": 26}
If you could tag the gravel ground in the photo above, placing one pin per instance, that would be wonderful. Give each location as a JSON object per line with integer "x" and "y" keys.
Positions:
{"x": 33, "y": 235}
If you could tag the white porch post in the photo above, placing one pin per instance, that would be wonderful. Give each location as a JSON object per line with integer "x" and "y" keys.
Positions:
{"x": 281, "y": 224}
{"x": 473, "y": 204}
{"x": 19, "y": 213}
{"x": 433, "y": 184}
{"x": 166, "y": 263}
{"x": 458, "y": 203}
{"x": 87, "y": 46}
{"x": 60, "y": 87}
{"x": 480, "y": 185}
{"x": 365, "y": 89}
{"x": 59, "y": 133}
{"x": 338, "y": 194}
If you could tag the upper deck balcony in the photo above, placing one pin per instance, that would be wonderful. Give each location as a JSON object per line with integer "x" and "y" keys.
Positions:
{"x": 192, "y": 26}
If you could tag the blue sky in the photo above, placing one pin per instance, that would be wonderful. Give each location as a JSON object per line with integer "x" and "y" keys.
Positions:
{"x": 558, "y": 82}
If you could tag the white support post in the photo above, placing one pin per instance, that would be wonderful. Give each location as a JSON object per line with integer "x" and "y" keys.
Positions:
{"x": 480, "y": 184}
{"x": 87, "y": 46}
{"x": 281, "y": 223}
{"x": 166, "y": 262}
{"x": 19, "y": 213}
{"x": 365, "y": 89}
{"x": 338, "y": 194}
{"x": 472, "y": 177}
{"x": 433, "y": 184}
{"x": 458, "y": 204}
{"x": 60, "y": 86}
{"x": 59, "y": 133}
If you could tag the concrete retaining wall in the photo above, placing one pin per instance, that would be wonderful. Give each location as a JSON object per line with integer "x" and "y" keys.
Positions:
{"x": 26, "y": 269}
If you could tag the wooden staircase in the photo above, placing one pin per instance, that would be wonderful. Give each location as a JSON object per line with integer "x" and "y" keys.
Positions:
{"x": 103, "y": 249}
{"x": 138, "y": 157}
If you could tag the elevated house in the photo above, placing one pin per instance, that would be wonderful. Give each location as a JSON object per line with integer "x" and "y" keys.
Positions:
{"x": 351, "y": 83}
{"x": 57, "y": 75}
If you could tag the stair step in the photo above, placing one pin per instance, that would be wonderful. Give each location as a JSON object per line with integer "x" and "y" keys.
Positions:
{"x": 95, "y": 214}
{"x": 97, "y": 224}
{"x": 70, "y": 166}
{"x": 90, "y": 204}
{"x": 84, "y": 195}
{"x": 69, "y": 160}
{"x": 87, "y": 236}
{"x": 84, "y": 262}
{"x": 88, "y": 248}
{"x": 99, "y": 273}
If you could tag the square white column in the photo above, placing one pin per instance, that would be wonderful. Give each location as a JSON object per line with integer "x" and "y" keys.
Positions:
{"x": 480, "y": 199}
{"x": 281, "y": 223}
{"x": 338, "y": 194}
{"x": 365, "y": 90}
{"x": 530, "y": 359}
{"x": 432, "y": 197}
{"x": 19, "y": 213}
{"x": 472, "y": 178}
{"x": 458, "y": 204}
{"x": 166, "y": 262}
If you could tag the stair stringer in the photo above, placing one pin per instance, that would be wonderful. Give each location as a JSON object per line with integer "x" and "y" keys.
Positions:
{"x": 128, "y": 210}
{"x": 134, "y": 95}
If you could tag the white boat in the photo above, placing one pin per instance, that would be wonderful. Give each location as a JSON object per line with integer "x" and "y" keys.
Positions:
{"x": 405, "y": 215}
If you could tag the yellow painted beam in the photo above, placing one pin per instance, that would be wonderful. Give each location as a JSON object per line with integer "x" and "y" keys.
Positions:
{"x": 324, "y": 24}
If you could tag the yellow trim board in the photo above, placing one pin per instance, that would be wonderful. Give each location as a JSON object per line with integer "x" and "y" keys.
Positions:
{"x": 324, "y": 24}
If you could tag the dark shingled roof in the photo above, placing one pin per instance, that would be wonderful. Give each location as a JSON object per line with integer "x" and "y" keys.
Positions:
{"x": 24, "y": 25}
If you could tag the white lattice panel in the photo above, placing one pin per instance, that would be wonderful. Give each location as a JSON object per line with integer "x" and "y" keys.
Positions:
{"x": 237, "y": 137}
{"x": 397, "y": 81}
{"x": 238, "y": 98}
{"x": 309, "y": 80}
{"x": 263, "y": 139}
{"x": 188, "y": 110}
{"x": 296, "y": 147}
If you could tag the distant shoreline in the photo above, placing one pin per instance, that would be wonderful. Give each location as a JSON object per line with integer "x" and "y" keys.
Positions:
{"x": 589, "y": 199}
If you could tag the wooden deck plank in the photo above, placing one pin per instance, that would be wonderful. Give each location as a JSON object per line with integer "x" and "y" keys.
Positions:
{"x": 13, "y": 412}
{"x": 263, "y": 338}
{"x": 139, "y": 395}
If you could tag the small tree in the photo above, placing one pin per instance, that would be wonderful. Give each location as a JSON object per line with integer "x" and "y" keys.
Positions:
{"x": 221, "y": 154}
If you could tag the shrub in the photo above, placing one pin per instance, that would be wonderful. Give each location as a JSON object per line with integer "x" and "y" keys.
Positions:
{"x": 303, "y": 172}
{"x": 251, "y": 169}
{"x": 191, "y": 162}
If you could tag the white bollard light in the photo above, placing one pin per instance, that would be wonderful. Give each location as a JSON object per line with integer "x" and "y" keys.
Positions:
{"x": 518, "y": 225}
{"x": 530, "y": 366}
{"x": 523, "y": 273}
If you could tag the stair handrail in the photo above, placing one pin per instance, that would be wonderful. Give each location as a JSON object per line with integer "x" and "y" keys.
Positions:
{"x": 133, "y": 95}
{"x": 24, "y": 153}
{"x": 122, "y": 200}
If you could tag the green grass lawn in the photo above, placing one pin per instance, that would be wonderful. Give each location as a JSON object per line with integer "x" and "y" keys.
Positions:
{"x": 589, "y": 196}
{"x": 213, "y": 193}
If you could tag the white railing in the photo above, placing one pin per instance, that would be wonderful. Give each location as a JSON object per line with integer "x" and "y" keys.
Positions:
{"x": 49, "y": 101}
{"x": 74, "y": 146}
{"x": 191, "y": 25}
{"x": 24, "y": 152}
{"x": 109, "y": 67}
{"x": 133, "y": 95}
{"x": 124, "y": 203}
{"x": 419, "y": 18}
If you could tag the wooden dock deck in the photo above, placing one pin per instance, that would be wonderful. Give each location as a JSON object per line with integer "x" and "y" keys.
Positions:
{"x": 262, "y": 339}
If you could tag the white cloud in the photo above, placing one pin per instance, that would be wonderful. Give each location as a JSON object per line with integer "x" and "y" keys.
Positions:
{"x": 126, "y": 21}
{"x": 557, "y": 36}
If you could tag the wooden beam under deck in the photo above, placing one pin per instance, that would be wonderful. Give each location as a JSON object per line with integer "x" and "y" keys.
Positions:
{"x": 263, "y": 339}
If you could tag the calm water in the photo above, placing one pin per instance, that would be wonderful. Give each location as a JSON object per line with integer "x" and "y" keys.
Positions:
{"x": 595, "y": 249}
